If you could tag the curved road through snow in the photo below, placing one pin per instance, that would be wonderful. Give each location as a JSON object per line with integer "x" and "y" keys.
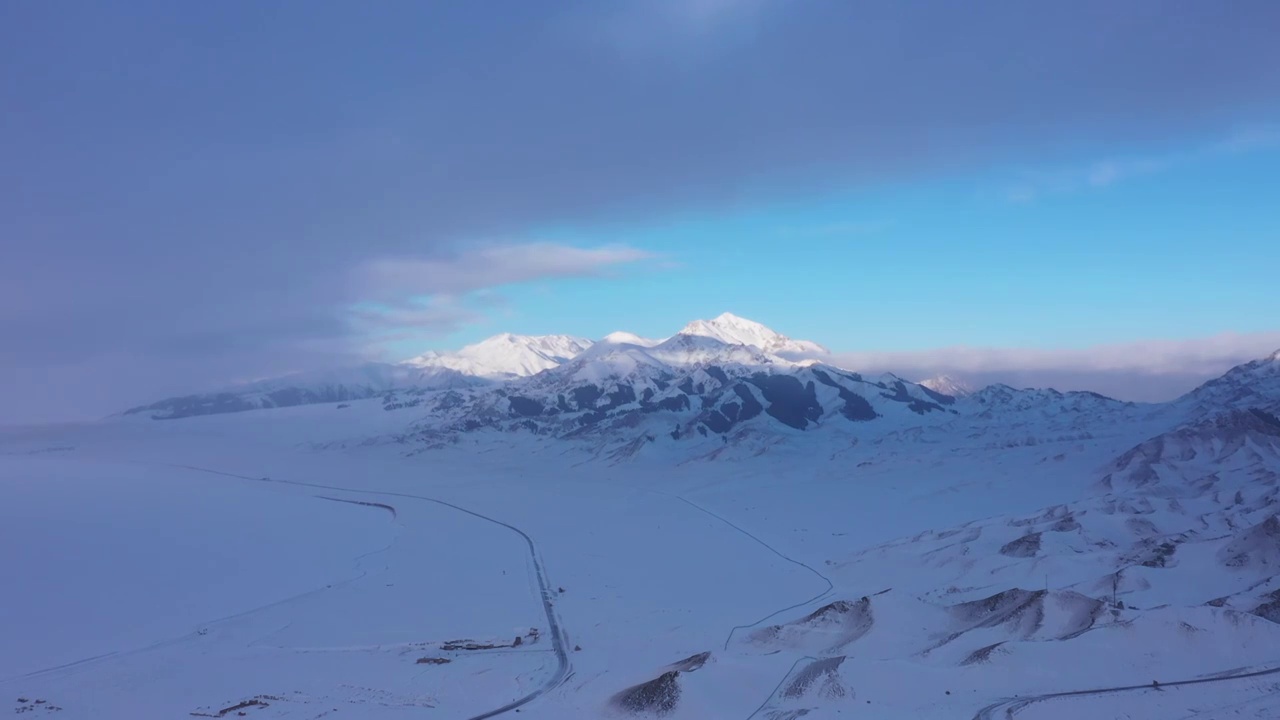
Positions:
{"x": 788, "y": 558}
{"x": 1010, "y": 706}
{"x": 558, "y": 638}
{"x": 772, "y": 549}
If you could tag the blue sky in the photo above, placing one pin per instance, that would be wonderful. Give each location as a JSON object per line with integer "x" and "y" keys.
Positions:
{"x": 193, "y": 194}
{"x": 1184, "y": 243}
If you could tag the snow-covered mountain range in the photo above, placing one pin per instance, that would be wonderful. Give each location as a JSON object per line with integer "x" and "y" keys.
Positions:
{"x": 496, "y": 360}
{"x": 721, "y": 386}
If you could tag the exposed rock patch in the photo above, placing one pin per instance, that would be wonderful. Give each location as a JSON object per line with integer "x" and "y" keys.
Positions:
{"x": 820, "y": 678}
{"x": 658, "y": 696}
{"x": 1256, "y": 548}
{"x": 826, "y": 629}
{"x": 1024, "y": 547}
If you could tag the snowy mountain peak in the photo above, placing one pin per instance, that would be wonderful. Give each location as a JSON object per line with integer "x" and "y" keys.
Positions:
{"x": 947, "y": 385}
{"x": 622, "y": 337}
{"x": 733, "y": 330}
{"x": 562, "y": 345}
{"x": 507, "y": 355}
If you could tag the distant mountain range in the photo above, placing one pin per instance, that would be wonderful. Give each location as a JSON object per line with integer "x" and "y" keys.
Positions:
{"x": 496, "y": 360}
{"x": 726, "y": 385}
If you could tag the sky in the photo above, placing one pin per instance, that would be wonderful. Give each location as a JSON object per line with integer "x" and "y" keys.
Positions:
{"x": 197, "y": 194}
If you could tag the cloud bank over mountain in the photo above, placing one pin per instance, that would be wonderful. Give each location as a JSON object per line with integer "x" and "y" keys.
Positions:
{"x": 1149, "y": 370}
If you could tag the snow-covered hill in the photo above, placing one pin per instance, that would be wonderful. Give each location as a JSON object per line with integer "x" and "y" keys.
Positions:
{"x": 1253, "y": 384}
{"x": 331, "y": 386}
{"x": 494, "y": 360}
{"x": 1244, "y": 442}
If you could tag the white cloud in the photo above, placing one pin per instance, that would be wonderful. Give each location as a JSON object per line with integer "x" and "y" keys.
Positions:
{"x": 1250, "y": 137}
{"x": 1143, "y": 370}
{"x": 1112, "y": 171}
{"x": 409, "y": 298}
{"x": 432, "y": 316}
{"x": 1107, "y": 172}
{"x": 398, "y": 279}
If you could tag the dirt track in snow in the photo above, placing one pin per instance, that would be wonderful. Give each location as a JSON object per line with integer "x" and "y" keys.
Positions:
{"x": 1011, "y": 706}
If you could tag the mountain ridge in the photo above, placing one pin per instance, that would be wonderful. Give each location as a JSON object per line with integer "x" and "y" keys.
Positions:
{"x": 728, "y": 380}
{"x": 501, "y": 358}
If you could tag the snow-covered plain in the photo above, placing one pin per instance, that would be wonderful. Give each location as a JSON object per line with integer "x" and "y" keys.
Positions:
{"x": 1029, "y": 555}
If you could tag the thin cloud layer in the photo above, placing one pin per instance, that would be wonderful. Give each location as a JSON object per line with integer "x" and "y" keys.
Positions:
{"x": 421, "y": 298}
{"x": 1151, "y": 370}
{"x": 1106, "y": 172}
{"x": 395, "y": 279}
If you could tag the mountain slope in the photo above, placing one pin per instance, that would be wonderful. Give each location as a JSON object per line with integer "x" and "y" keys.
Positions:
{"x": 1246, "y": 442}
{"x": 329, "y": 386}
{"x": 498, "y": 358}
{"x": 1253, "y": 384}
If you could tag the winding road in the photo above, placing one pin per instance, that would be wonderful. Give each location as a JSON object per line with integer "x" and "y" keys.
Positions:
{"x": 803, "y": 603}
{"x": 1010, "y": 706}
{"x": 770, "y": 548}
{"x": 559, "y": 640}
